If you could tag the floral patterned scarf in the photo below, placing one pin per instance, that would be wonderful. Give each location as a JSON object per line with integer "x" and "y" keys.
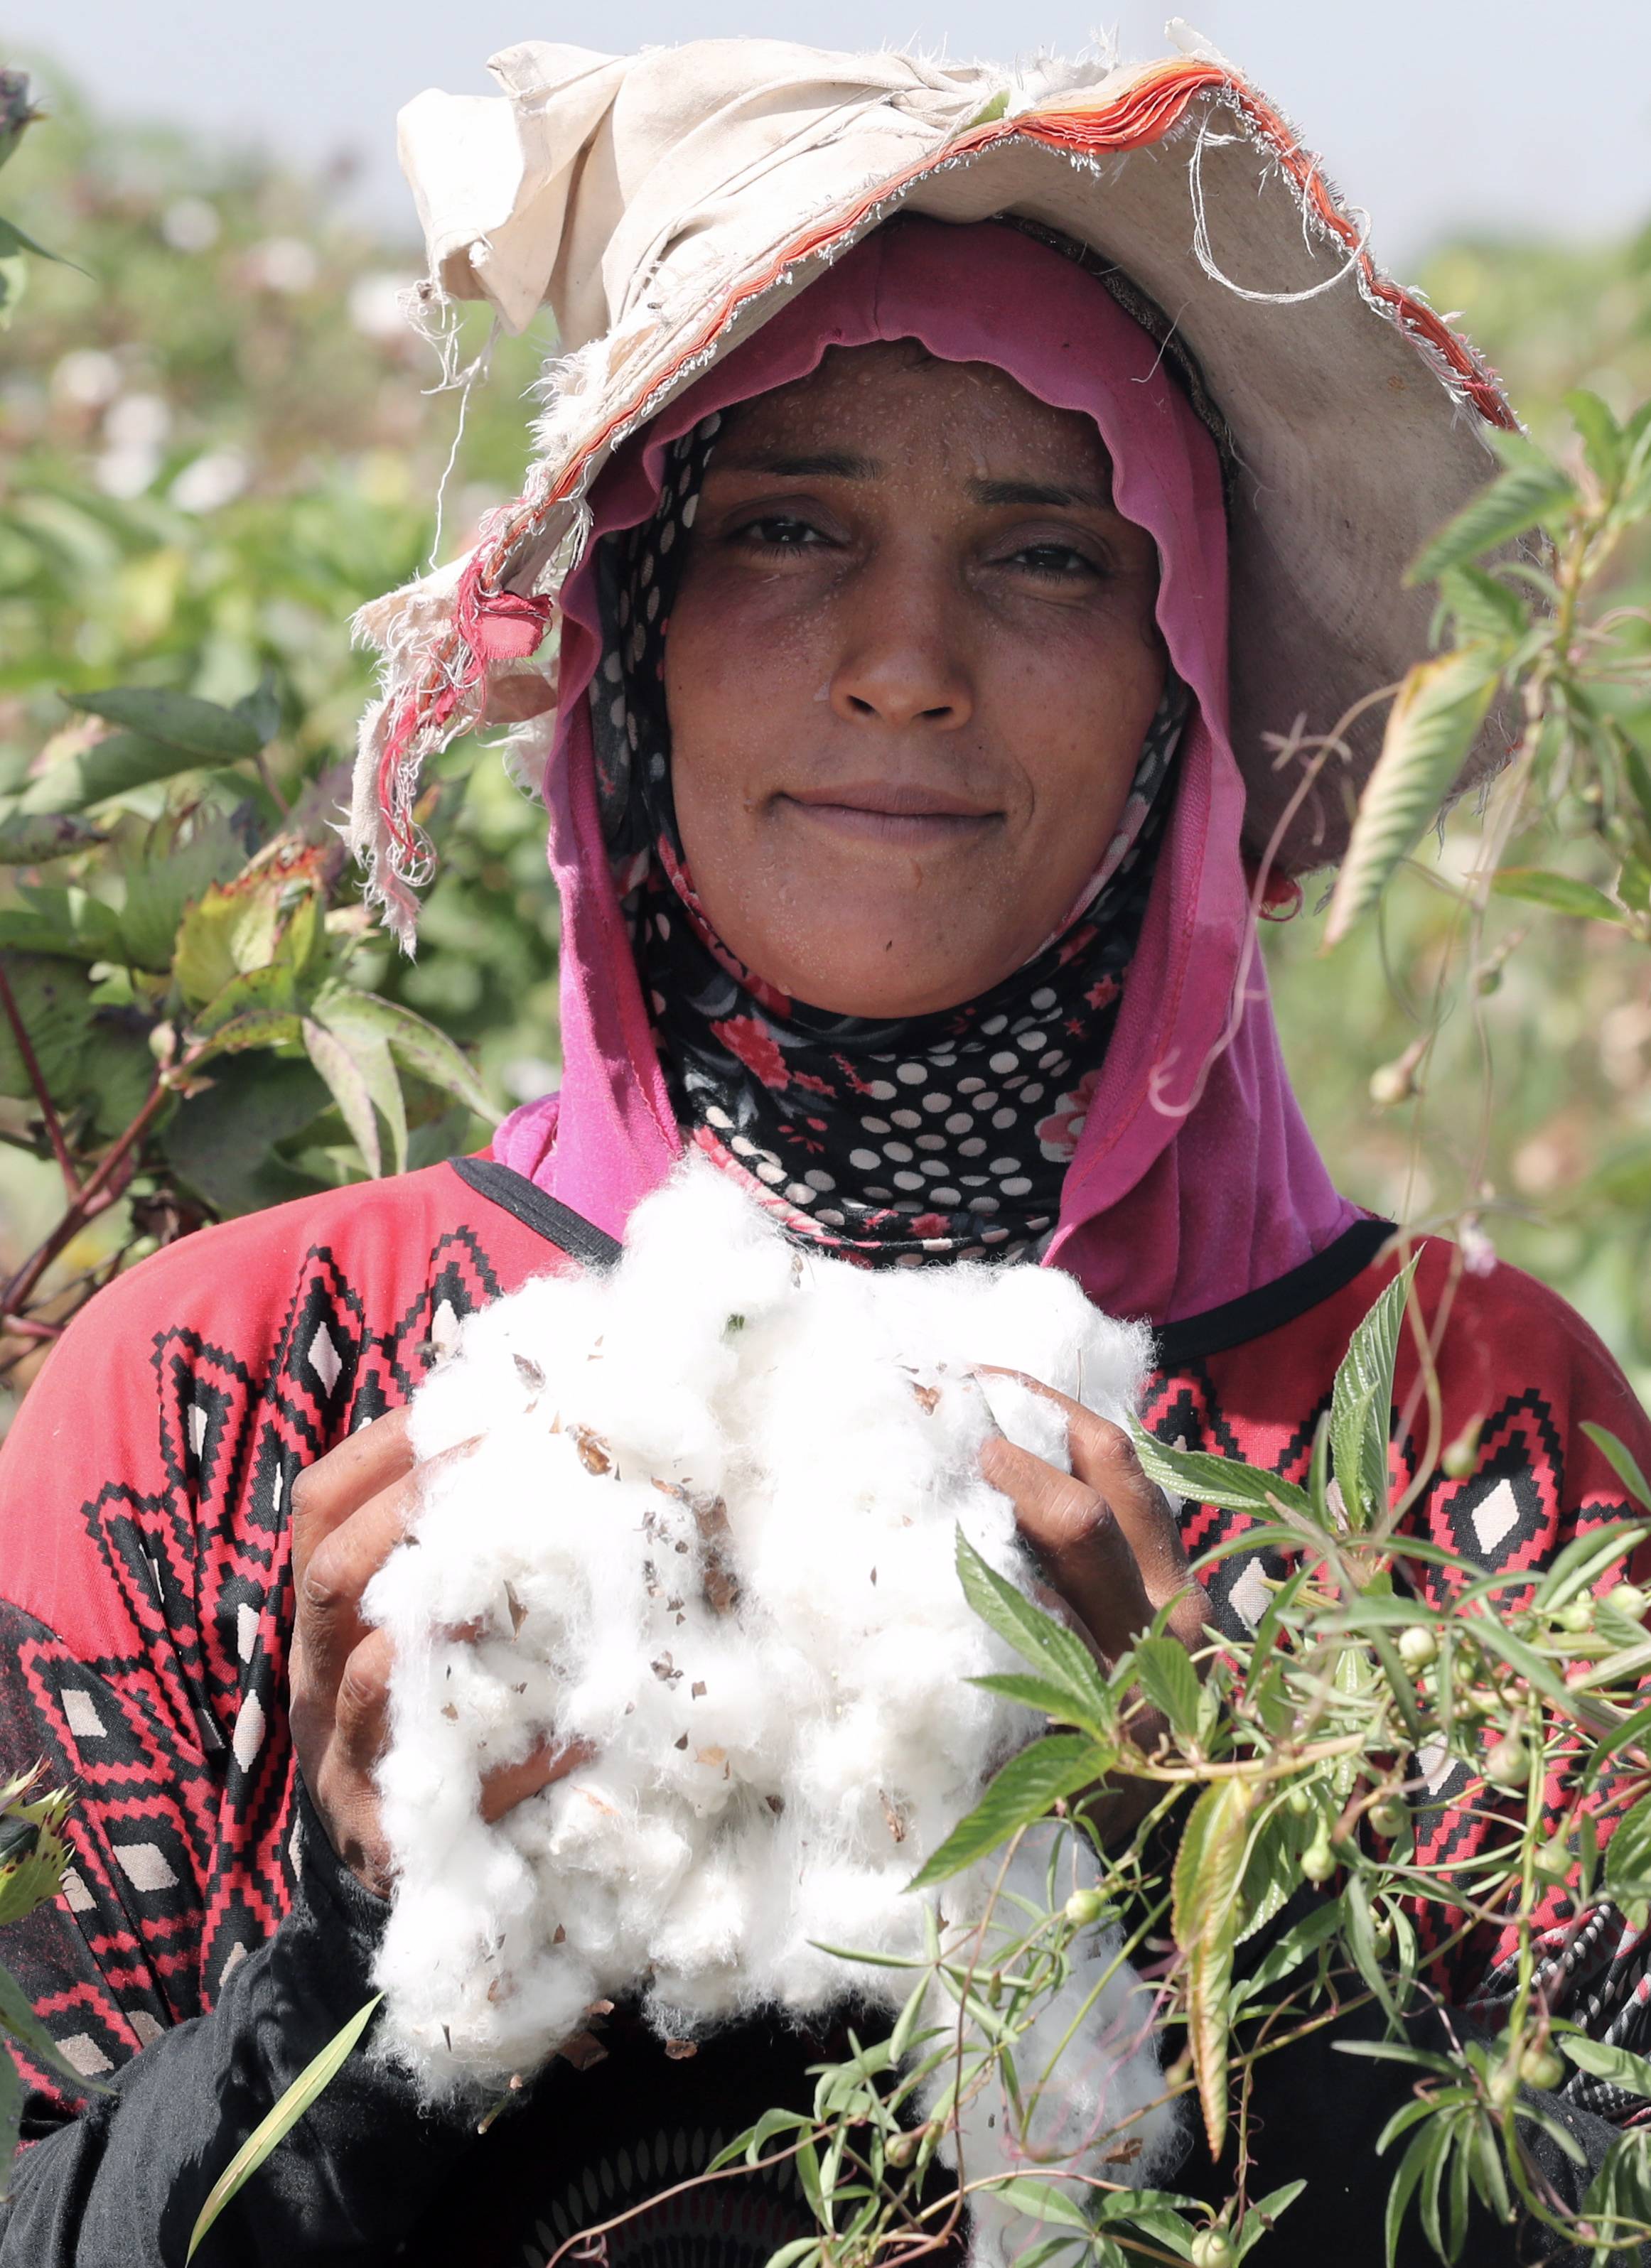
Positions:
{"x": 938, "y": 1137}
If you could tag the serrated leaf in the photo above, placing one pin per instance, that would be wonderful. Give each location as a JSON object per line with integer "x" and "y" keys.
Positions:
{"x": 1561, "y": 893}
{"x": 229, "y": 932}
{"x": 1057, "y": 1652}
{"x": 1039, "y": 1693}
{"x": 1170, "y": 1682}
{"x": 1431, "y": 727}
{"x": 420, "y": 1047}
{"x": 1530, "y": 493}
{"x": 1361, "y": 1405}
{"x": 338, "y": 1066}
{"x": 1621, "y": 1459}
{"x": 1485, "y": 608}
{"x": 270, "y": 2132}
{"x": 1204, "y": 1478}
{"x": 31, "y": 838}
{"x": 1628, "y": 1855}
{"x": 204, "y": 729}
{"x": 1602, "y": 437}
{"x": 1057, "y": 1765}
{"x": 115, "y": 766}
{"x": 1204, "y": 1915}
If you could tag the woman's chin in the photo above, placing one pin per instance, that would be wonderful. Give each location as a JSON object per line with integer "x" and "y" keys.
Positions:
{"x": 885, "y": 980}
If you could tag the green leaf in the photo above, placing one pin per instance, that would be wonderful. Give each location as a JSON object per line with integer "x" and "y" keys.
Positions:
{"x": 231, "y": 930}
{"x": 1621, "y": 1459}
{"x": 31, "y": 839}
{"x": 1602, "y": 437}
{"x": 1361, "y": 1405}
{"x": 1057, "y": 1652}
{"x": 1619, "y": 2193}
{"x": 115, "y": 766}
{"x": 1040, "y": 1693}
{"x": 270, "y": 2132}
{"x": 1057, "y": 1765}
{"x": 1615, "y": 2065}
{"x": 208, "y": 732}
{"x": 18, "y": 2018}
{"x": 338, "y": 1066}
{"x": 1586, "y": 1557}
{"x": 1203, "y": 1915}
{"x": 1628, "y": 1855}
{"x": 14, "y": 239}
{"x": 260, "y": 709}
{"x": 1561, "y": 893}
{"x": 1170, "y": 1682}
{"x": 1204, "y": 1478}
{"x": 1639, "y": 778}
{"x": 370, "y": 1051}
{"x": 159, "y": 884}
{"x": 1530, "y": 494}
{"x": 1295, "y": 1946}
{"x": 55, "y": 1002}
{"x": 420, "y": 1047}
{"x": 222, "y": 1143}
{"x": 1485, "y": 609}
{"x": 1261, "y": 2216}
{"x": 1038, "y": 2199}
{"x": 1431, "y": 728}
{"x": 14, "y": 279}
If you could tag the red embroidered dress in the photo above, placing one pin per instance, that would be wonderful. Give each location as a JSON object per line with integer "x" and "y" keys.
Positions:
{"x": 144, "y": 1545}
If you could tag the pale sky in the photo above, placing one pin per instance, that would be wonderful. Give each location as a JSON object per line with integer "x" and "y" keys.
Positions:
{"x": 1436, "y": 114}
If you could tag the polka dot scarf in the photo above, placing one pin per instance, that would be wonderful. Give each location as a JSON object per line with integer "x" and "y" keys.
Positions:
{"x": 927, "y": 1138}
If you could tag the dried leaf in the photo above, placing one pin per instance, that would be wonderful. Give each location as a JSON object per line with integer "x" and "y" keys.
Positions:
{"x": 594, "y": 1454}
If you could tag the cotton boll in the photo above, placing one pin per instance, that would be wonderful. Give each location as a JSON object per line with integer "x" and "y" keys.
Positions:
{"x": 705, "y": 1522}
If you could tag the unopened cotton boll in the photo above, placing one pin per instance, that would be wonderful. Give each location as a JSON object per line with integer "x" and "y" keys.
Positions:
{"x": 698, "y": 1512}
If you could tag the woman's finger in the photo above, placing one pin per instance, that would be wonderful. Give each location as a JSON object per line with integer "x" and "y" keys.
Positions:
{"x": 1084, "y": 1552}
{"x": 327, "y": 1492}
{"x": 1104, "y": 1458}
{"x": 513, "y": 1784}
{"x": 340, "y": 1568}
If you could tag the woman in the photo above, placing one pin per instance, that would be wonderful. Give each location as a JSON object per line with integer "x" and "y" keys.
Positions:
{"x": 902, "y": 849}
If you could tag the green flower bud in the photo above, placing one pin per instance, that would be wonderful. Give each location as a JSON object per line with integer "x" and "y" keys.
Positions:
{"x": 1299, "y": 1802}
{"x": 1418, "y": 1648}
{"x": 1576, "y": 1615}
{"x": 1389, "y": 1815}
{"x": 1213, "y": 2247}
{"x": 1084, "y": 1908}
{"x": 1627, "y": 1599}
{"x": 1508, "y": 1763}
{"x": 1317, "y": 1862}
{"x": 1541, "y": 2068}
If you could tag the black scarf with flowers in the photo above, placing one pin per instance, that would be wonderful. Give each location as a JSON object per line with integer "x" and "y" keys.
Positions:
{"x": 927, "y": 1137}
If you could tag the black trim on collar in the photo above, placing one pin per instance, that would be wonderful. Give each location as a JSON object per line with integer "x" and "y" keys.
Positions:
{"x": 1254, "y": 1313}
{"x": 558, "y": 1224}
{"x": 1251, "y": 1316}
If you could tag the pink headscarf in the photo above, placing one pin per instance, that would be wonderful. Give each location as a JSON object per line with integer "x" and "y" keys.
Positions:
{"x": 1194, "y": 1179}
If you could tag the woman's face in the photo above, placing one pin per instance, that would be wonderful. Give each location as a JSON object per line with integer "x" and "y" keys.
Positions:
{"x": 909, "y": 672}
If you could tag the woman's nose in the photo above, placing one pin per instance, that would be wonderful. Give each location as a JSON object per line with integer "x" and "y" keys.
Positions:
{"x": 900, "y": 663}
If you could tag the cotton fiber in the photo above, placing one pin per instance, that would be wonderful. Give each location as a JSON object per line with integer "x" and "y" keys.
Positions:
{"x": 705, "y": 1523}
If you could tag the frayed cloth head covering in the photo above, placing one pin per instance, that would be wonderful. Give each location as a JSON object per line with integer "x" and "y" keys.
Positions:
{"x": 667, "y": 205}
{"x": 1192, "y": 1179}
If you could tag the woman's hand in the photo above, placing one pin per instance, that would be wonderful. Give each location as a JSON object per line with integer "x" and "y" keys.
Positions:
{"x": 350, "y": 1511}
{"x": 1108, "y": 1546}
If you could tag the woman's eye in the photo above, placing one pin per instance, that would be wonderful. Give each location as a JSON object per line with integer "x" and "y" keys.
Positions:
{"x": 1055, "y": 559}
{"x": 778, "y": 532}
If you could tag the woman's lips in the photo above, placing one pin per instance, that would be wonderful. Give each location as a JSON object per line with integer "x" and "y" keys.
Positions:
{"x": 877, "y": 812}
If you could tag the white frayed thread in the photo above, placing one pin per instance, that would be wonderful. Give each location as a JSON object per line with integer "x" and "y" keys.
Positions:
{"x": 1205, "y": 256}
{"x": 706, "y": 1526}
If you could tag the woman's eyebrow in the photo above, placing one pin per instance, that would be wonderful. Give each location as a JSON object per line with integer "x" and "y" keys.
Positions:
{"x": 800, "y": 465}
{"x": 1040, "y": 492}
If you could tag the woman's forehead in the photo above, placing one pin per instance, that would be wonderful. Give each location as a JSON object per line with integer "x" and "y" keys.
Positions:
{"x": 861, "y": 400}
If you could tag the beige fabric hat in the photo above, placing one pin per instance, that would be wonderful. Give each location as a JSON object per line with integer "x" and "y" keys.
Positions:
{"x": 665, "y": 205}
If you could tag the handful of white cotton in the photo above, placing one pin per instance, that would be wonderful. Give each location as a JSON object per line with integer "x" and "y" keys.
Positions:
{"x": 707, "y": 1526}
